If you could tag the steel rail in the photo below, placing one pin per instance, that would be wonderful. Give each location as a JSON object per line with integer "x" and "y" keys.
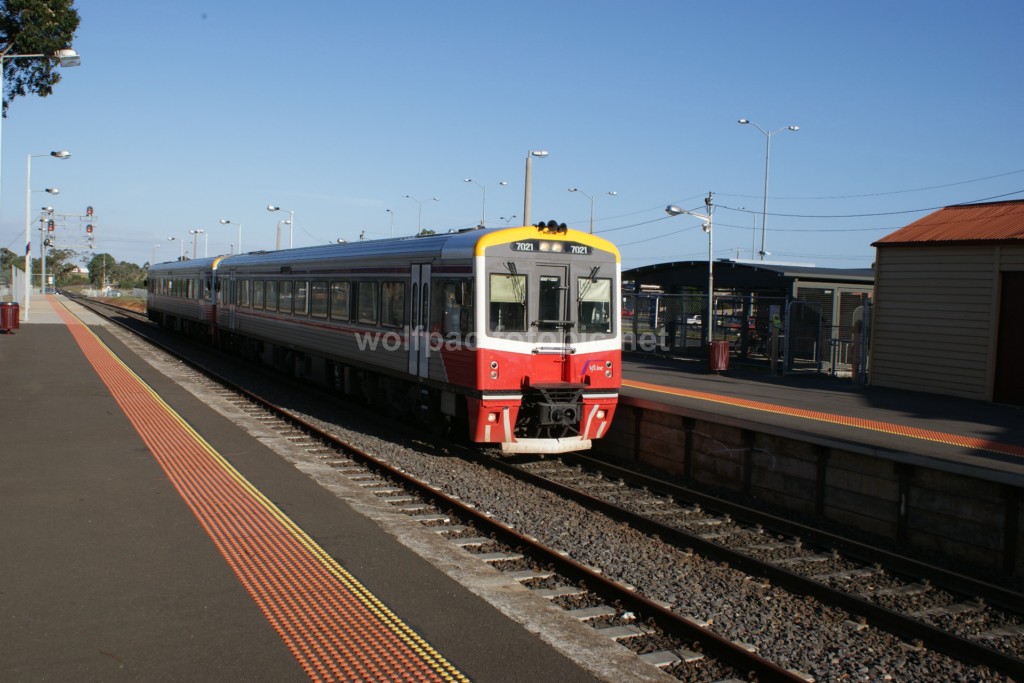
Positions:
{"x": 882, "y": 617}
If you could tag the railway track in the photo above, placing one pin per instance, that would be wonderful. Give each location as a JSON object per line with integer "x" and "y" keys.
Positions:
{"x": 688, "y": 646}
{"x": 924, "y": 603}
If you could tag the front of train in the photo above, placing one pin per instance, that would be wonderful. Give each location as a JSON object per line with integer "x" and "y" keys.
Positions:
{"x": 549, "y": 343}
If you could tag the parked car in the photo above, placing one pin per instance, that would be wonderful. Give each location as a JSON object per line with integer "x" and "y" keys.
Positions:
{"x": 693, "y": 319}
{"x": 734, "y": 322}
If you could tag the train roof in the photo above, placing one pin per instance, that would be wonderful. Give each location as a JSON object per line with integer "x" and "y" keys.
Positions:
{"x": 456, "y": 245}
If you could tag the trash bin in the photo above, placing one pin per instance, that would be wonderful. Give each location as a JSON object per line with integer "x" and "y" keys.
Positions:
{"x": 718, "y": 358}
{"x": 10, "y": 316}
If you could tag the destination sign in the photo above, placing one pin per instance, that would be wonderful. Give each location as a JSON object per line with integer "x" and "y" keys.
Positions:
{"x": 552, "y": 247}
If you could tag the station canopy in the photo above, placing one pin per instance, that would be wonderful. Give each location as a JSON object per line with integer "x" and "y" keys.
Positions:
{"x": 741, "y": 277}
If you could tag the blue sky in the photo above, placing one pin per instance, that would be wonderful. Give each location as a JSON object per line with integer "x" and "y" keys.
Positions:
{"x": 189, "y": 112}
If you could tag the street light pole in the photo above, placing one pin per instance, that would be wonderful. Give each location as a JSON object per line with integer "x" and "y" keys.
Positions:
{"x": 224, "y": 221}
{"x": 672, "y": 210}
{"x": 286, "y": 221}
{"x": 195, "y": 236}
{"x": 291, "y": 223}
{"x": 66, "y": 57}
{"x": 392, "y": 213}
{"x": 47, "y": 211}
{"x": 483, "y": 212}
{"x": 576, "y": 189}
{"x": 767, "y": 152}
{"x": 62, "y": 154}
{"x": 529, "y": 173}
{"x": 419, "y": 204}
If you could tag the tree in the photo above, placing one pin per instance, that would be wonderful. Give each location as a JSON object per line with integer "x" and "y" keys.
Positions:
{"x": 60, "y": 262}
{"x": 7, "y": 259}
{"x": 104, "y": 270}
{"x": 101, "y": 267}
{"x": 34, "y": 27}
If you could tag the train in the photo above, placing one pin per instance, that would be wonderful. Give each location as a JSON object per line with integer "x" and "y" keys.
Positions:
{"x": 511, "y": 334}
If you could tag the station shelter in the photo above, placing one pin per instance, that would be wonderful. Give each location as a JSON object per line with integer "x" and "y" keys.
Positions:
{"x": 798, "y": 318}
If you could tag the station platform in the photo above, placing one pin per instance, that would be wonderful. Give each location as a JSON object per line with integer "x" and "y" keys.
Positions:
{"x": 146, "y": 537}
{"x": 984, "y": 439}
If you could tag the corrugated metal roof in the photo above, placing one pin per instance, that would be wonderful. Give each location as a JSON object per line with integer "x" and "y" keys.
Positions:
{"x": 993, "y": 222}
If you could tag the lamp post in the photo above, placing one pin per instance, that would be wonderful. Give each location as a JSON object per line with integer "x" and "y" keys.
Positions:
{"x": 62, "y": 154}
{"x": 576, "y": 189}
{"x": 291, "y": 222}
{"x": 279, "y": 224}
{"x": 181, "y": 249}
{"x": 767, "y": 152}
{"x": 66, "y": 57}
{"x": 419, "y": 204}
{"x": 152, "y": 259}
{"x": 195, "y": 236}
{"x": 672, "y": 210}
{"x": 509, "y": 219}
{"x": 529, "y": 179}
{"x": 392, "y": 213}
{"x": 43, "y": 241}
{"x": 224, "y": 221}
{"x": 483, "y": 212}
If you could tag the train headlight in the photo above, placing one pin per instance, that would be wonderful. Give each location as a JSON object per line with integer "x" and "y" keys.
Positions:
{"x": 600, "y": 415}
{"x": 492, "y": 417}
{"x": 607, "y": 373}
{"x": 494, "y": 374}
{"x": 494, "y": 365}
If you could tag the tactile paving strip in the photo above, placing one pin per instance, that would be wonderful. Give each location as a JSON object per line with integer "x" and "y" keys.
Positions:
{"x": 845, "y": 420}
{"x": 335, "y": 628}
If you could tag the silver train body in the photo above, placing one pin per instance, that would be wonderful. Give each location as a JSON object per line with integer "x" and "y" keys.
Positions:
{"x": 512, "y": 334}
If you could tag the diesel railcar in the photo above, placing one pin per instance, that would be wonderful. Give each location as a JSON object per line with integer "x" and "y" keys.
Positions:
{"x": 512, "y": 333}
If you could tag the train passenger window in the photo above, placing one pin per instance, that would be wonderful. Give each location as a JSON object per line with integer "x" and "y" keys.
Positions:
{"x": 595, "y": 304}
{"x": 340, "y": 300}
{"x": 285, "y": 297}
{"x": 207, "y": 290}
{"x": 392, "y": 297}
{"x": 258, "y": 299}
{"x": 453, "y": 308}
{"x": 367, "y": 303}
{"x": 318, "y": 299}
{"x": 301, "y": 298}
{"x": 507, "y": 303}
{"x": 244, "y": 293}
{"x": 424, "y": 305}
{"x": 270, "y": 300}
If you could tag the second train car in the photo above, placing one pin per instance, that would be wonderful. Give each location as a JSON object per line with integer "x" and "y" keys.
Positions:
{"x": 512, "y": 333}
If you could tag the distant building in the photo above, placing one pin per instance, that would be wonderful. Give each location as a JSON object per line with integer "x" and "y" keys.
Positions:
{"x": 949, "y": 304}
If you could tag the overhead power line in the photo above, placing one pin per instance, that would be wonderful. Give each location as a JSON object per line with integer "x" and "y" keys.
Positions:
{"x": 882, "y": 194}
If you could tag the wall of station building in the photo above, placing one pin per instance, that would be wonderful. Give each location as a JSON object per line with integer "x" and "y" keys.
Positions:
{"x": 905, "y": 502}
{"x": 937, "y": 317}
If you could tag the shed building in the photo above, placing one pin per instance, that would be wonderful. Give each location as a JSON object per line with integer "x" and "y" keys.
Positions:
{"x": 949, "y": 304}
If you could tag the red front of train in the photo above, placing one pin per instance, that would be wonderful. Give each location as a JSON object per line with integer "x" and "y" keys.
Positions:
{"x": 548, "y": 351}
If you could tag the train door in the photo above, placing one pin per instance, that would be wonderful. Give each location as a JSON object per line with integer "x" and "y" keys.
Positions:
{"x": 554, "y": 318}
{"x": 419, "y": 320}
{"x": 229, "y": 297}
